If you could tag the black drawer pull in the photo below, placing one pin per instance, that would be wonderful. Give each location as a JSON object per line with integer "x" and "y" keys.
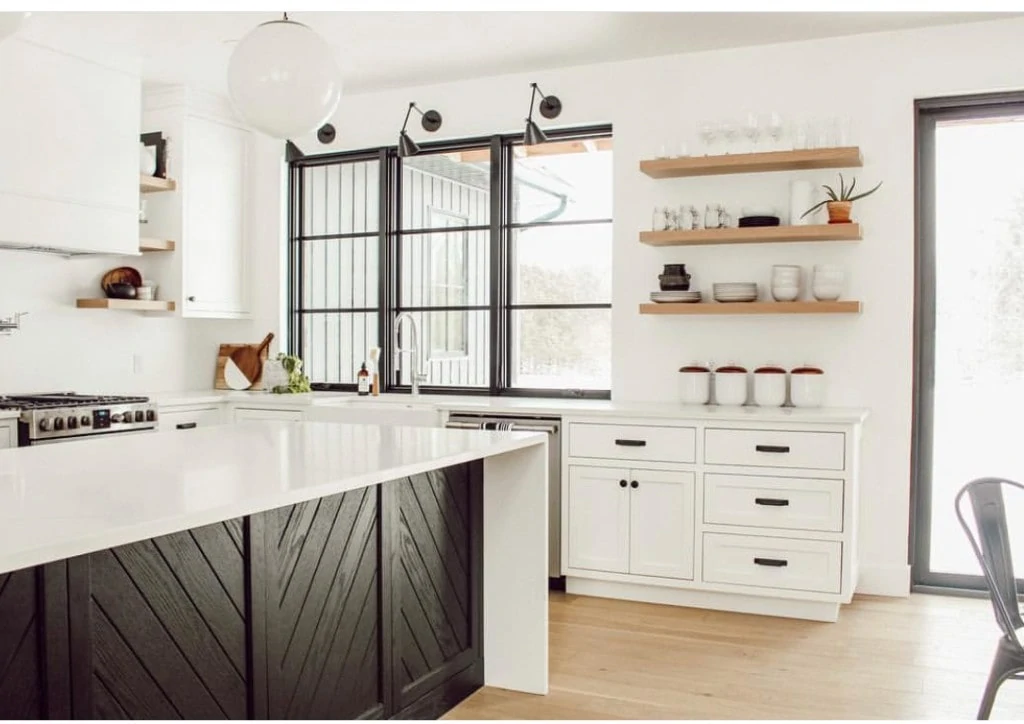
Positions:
{"x": 631, "y": 443}
{"x": 772, "y": 448}
{"x": 186, "y": 425}
{"x": 773, "y": 562}
{"x": 776, "y": 502}
{"x": 634, "y": 485}
{"x": 623, "y": 483}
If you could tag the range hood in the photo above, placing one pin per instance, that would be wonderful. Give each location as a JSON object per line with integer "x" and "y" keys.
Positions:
{"x": 51, "y": 250}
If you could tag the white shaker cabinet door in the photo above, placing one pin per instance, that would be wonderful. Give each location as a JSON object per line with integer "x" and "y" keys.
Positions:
{"x": 8, "y": 435}
{"x": 661, "y": 524}
{"x": 599, "y": 519}
{"x": 215, "y": 280}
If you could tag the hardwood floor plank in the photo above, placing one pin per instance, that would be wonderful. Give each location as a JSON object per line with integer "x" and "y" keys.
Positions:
{"x": 921, "y": 657}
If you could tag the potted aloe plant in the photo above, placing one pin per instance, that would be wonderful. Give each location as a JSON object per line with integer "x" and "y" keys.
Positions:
{"x": 840, "y": 204}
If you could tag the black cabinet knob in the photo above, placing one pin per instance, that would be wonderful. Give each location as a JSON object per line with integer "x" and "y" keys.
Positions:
{"x": 192, "y": 299}
{"x": 622, "y": 483}
{"x": 634, "y": 484}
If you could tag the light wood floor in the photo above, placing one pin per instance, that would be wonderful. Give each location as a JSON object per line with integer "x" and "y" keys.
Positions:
{"x": 923, "y": 657}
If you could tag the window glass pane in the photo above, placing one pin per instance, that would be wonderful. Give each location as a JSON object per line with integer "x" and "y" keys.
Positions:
{"x": 458, "y": 183}
{"x": 445, "y": 269}
{"x": 335, "y": 345}
{"x": 562, "y": 349}
{"x": 340, "y": 273}
{"x": 562, "y": 181}
{"x": 562, "y": 264}
{"x": 341, "y": 198}
{"x": 455, "y": 348}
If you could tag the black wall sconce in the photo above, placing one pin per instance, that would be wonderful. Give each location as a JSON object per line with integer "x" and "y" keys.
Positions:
{"x": 431, "y": 121}
{"x": 550, "y": 107}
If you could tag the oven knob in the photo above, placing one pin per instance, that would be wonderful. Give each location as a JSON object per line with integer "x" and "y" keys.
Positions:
{"x": 44, "y": 424}
{"x": 72, "y": 422}
{"x": 116, "y": 417}
{"x": 140, "y": 416}
{"x": 150, "y": 415}
{"x": 86, "y": 421}
{"x": 58, "y": 423}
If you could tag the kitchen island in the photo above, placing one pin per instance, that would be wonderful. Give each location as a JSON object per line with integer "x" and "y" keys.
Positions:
{"x": 272, "y": 570}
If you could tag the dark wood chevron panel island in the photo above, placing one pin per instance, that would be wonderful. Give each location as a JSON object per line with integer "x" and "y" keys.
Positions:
{"x": 365, "y": 604}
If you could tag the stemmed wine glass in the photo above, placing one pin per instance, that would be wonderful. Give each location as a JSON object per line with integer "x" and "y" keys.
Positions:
{"x": 752, "y": 130}
{"x": 731, "y": 131}
{"x": 708, "y": 132}
{"x": 775, "y": 129}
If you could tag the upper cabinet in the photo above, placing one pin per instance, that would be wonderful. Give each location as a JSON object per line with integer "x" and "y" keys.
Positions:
{"x": 69, "y": 161}
{"x": 209, "y": 156}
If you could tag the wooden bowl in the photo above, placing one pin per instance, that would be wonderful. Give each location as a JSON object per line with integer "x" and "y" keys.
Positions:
{"x": 120, "y": 275}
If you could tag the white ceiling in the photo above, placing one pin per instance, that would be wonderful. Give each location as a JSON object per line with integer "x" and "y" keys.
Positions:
{"x": 395, "y": 49}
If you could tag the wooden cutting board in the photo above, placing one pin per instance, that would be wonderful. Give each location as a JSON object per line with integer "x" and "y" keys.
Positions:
{"x": 260, "y": 350}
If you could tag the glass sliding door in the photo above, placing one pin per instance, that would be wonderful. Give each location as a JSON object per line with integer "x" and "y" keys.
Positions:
{"x": 970, "y": 323}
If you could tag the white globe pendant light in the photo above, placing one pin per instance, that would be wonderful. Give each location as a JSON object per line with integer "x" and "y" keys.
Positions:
{"x": 283, "y": 79}
{"x": 10, "y": 23}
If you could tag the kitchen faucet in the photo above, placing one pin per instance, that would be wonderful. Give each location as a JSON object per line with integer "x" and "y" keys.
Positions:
{"x": 414, "y": 350}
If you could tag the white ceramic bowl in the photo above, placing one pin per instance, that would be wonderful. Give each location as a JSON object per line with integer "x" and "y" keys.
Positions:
{"x": 694, "y": 386}
{"x": 770, "y": 387}
{"x": 785, "y": 293}
{"x": 731, "y": 388}
{"x": 807, "y": 388}
{"x": 824, "y": 292}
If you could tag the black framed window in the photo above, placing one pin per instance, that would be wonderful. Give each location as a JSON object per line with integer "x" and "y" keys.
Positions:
{"x": 500, "y": 252}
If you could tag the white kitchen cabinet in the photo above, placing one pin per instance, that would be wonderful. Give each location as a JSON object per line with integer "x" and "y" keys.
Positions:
{"x": 70, "y": 157}
{"x": 598, "y": 519}
{"x": 266, "y": 413}
{"x": 214, "y": 237}
{"x": 209, "y": 156}
{"x": 189, "y": 418}
{"x": 8, "y": 434}
{"x": 661, "y": 524}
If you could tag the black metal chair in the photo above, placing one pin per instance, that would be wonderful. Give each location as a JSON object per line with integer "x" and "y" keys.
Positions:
{"x": 993, "y": 554}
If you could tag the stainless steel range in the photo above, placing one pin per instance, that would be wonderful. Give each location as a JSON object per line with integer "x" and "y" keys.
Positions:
{"x": 62, "y": 416}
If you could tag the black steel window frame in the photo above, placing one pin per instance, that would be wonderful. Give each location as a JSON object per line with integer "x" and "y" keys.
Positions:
{"x": 928, "y": 114}
{"x": 389, "y": 234}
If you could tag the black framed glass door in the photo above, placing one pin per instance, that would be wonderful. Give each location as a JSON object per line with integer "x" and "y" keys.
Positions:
{"x": 969, "y": 381}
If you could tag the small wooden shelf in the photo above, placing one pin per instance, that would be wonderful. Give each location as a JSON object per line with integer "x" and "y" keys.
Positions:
{"x": 812, "y": 307}
{"x": 812, "y": 158}
{"x": 136, "y": 305}
{"x": 153, "y": 184}
{"x": 148, "y": 244}
{"x": 753, "y": 235}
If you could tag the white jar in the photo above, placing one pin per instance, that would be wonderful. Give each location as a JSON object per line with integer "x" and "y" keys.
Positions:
{"x": 694, "y": 385}
{"x": 807, "y": 386}
{"x": 769, "y": 386}
{"x": 731, "y": 385}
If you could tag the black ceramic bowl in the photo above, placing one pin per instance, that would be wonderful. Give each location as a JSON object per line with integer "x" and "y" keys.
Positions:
{"x": 674, "y": 270}
{"x": 121, "y": 291}
{"x": 674, "y": 283}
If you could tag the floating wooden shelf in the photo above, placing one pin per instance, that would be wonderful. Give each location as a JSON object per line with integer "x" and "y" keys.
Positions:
{"x": 812, "y": 307}
{"x": 812, "y": 158}
{"x": 147, "y": 244}
{"x": 152, "y": 184}
{"x": 753, "y": 235}
{"x": 136, "y": 305}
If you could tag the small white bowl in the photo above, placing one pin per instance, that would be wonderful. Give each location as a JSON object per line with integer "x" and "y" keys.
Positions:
{"x": 785, "y": 294}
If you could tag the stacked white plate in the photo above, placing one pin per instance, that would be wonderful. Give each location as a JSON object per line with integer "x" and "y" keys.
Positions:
{"x": 675, "y": 297}
{"x": 735, "y": 292}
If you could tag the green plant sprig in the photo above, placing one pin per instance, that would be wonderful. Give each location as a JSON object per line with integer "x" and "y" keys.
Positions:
{"x": 297, "y": 382}
{"x": 845, "y": 194}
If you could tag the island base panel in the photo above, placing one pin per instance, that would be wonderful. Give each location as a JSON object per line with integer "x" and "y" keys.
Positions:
{"x": 366, "y": 604}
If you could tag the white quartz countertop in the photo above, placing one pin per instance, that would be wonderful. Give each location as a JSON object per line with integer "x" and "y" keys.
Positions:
{"x": 556, "y": 407}
{"x": 59, "y": 501}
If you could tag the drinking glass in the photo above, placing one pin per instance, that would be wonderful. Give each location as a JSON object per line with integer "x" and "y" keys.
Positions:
{"x": 776, "y": 128}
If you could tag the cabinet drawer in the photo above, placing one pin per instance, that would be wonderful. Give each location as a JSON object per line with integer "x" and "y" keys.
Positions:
{"x": 633, "y": 442}
{"x": 794, "y": 503}
{"x": 775, "y": 448}
{"x": 188, "y": 419}
{"x": 747, "y": 560}
{"x": 264, "y": 413}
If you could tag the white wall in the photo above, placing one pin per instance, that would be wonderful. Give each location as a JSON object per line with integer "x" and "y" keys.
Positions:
{"x": 874, "y": 80}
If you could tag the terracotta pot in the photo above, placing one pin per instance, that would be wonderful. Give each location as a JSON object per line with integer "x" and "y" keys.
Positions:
{"x": 839, "y": 212}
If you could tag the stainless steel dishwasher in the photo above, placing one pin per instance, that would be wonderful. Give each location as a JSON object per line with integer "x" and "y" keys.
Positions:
{"x": 523, "y": 423}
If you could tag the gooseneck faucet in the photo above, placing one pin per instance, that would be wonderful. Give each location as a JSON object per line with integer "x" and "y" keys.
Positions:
{"x": 413, "y": 350}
